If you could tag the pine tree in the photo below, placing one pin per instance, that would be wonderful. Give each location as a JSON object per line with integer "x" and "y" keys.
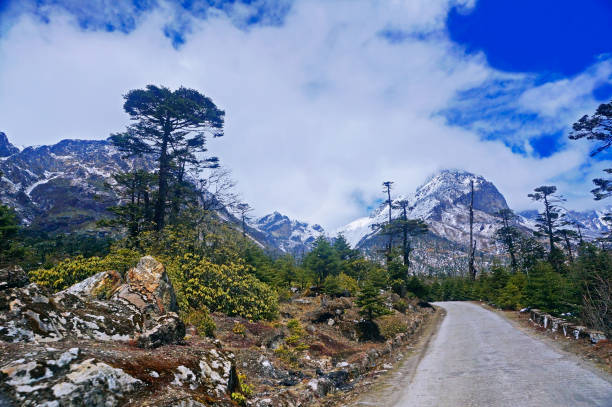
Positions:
{"x": 387, "y": 188}
{"x": 472, "y": 249}
{"x": 369, "y": 299}
{"x": 11, "y": 250}
{"x": 409, "y": 229}
{"x": 244, "y": 209}
{"x": 171, "y": 126}
{"x": 322, "y": 260}
{"x": 343, "y": 249}
{"x": 549, "y": 220}
{"x": 134, "y": 211}
{"x": 598, "y": 128}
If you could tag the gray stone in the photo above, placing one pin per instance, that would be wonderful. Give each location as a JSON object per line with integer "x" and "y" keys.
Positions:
{"x": 12, "y": 277}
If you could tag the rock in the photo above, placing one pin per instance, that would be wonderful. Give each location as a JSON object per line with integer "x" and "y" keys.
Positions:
{"x": 12, "y": 277}
{"x": 186, "y": 403}
{"x": 275, "y": 342}
{"x": 595, "y": 336}
{"x": 166, "y": 329}
{"x": 263, "y": 403}
{"x": 65, "y": 378}
{"x": 339, "y": 378}
{"x": 101, "y": 285}
{"x": 150, "y": 280}
{"x": 100, "y": 307}
{"x": 321, "y": 387}
{"x": 331, "y": 322}
{"x": 329, "y": 309}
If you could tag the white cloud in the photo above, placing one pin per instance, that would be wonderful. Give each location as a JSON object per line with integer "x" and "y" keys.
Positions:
{"x": 318, "y": 110}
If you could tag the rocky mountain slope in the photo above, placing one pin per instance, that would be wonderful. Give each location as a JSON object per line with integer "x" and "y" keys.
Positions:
{"x": 290, "y": 236}
{"x": 61, "y": 188}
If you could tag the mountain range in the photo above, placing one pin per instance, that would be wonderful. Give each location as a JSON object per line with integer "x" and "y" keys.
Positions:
{"x": 61, "y": 188}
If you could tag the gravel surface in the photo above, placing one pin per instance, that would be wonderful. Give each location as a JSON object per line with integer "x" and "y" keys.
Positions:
{"x": 478, "y": 358}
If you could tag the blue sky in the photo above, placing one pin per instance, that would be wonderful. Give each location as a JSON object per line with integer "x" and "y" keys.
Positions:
{"x": 326, "y": 99}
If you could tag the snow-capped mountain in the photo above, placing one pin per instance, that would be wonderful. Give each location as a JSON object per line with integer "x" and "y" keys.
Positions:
{"x": 62, "y": 188}
{"x": 591, "y": 222}
{"x": 290, "y": 236}
{"x": 6, "y": 148}
{"x": 442, "y": 201}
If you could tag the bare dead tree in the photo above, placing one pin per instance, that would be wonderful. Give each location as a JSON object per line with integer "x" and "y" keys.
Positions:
{"x": 387, "y": 189}
{"x": 244, "y": 208}
{"x": 471, "y": 268}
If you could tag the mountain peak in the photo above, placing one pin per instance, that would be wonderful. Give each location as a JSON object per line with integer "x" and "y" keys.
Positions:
{"x": 6, "y": 148}
{"x": 452, "y": 187}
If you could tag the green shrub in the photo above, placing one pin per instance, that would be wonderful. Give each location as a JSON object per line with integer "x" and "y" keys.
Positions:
{"x": 510, "y": 297}
{"x": 239, "y": 329}
{"x": 239, "y": 399}
{"x": 71, "y": 271}
{"x": 401, "y": 305}
{"x": 201, "y": 319}
{"x": 227, "y": 288}
{"x": 391, "y": 325}
{"x": 348, "y": 284}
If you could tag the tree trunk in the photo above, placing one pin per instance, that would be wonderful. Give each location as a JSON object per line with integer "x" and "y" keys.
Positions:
{"x": 390, "y": 243}
{"x": 472, "y": 270}
{"x": 162, "y": 193}
{"x": 568, "y": 245}
{"x": 549, "y": 225}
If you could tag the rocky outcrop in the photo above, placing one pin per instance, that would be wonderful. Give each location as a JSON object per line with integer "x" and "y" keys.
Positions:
{"x": 99, "y": 374}
{"x": 55, "y": 378}
{"x": 101, "y": 307}
{"x": 6, "y": 148}
{"x": 564, "y": 327}
{"x": 12, "y": 276}
{"x": 149, "y": 281}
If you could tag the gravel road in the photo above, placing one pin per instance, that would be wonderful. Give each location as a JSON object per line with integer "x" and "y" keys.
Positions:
{"x": 478, "y": 358}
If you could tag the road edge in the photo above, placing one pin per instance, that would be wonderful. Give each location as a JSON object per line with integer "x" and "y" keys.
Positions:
{"x": 406, "y": 367}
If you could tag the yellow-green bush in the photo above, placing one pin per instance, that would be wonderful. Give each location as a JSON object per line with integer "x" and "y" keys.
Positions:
{"x": 227, "y": 288}
{"x": 391, "y": 325}
{"x": 239, "y": 399}
{"x": 201, "y": 319}
{"x": 71, "y": 271}
{"x": 239, "y": 329}
{"x": 348, "y": 283}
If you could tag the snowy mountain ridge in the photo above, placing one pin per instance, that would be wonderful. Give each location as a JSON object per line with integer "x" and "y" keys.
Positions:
{"x": 442, "y": 202}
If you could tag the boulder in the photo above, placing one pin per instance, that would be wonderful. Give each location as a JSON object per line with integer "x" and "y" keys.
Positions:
{"x": 12, "y": 276}
{"x": 149, "y": 279}
{"x": 101, "y": 285}
{"x": 339, "y": 378}
{"x": 55, "y": 378}
{"x": 101, "y": 307}
{"x": 166, "y": 329}
{"x": 32, "y": 314}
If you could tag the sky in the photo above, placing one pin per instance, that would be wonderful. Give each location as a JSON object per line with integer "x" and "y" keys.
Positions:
{"x": 325, "y": 100}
